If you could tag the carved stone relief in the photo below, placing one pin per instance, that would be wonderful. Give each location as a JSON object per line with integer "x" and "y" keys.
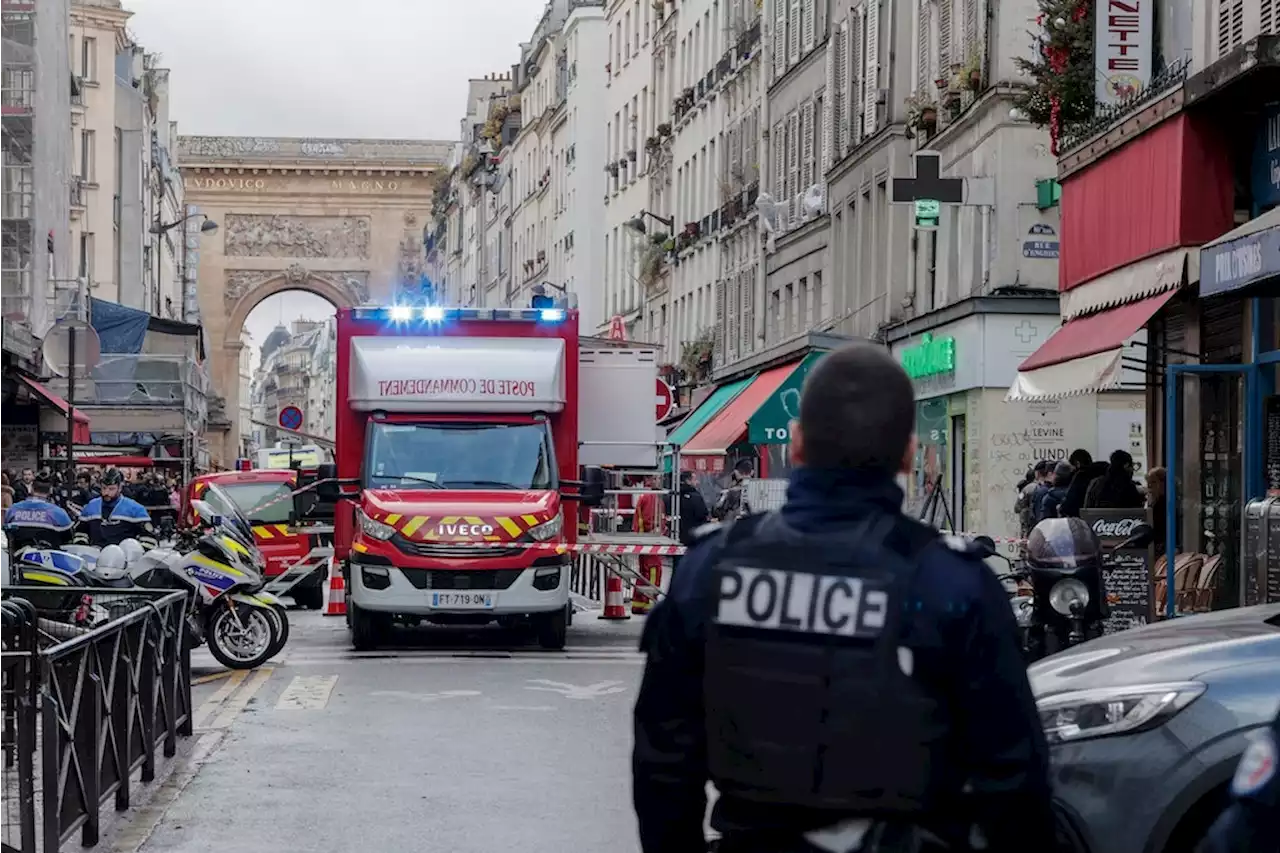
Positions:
{"x": 256, "y": 236}
{"x": 228, "y": 146}
{"x": 239, "y": 282}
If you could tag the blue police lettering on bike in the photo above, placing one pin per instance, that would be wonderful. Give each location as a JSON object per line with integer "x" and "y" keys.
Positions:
{"x": 800, "y": 601}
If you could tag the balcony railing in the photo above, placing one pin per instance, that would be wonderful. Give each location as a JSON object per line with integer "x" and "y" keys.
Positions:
{"x": 1170, "y": 78}
{"x": 17, "y": 100}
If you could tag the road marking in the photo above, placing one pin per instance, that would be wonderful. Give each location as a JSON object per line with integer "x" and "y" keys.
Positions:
{"x": 427, "y": 697}
{"x": 575, "y": 691}
{"x": 307, "y": 693}
{"x": 238, "y": 702}
{"x": 215, "y": 701}
{"x": 216, "y": 676}
{"x": 330, "y": 662}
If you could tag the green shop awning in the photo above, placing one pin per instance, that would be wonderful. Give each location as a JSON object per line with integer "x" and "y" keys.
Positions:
{"x": 769, "y": 424}
{"x": 698, "y": 418}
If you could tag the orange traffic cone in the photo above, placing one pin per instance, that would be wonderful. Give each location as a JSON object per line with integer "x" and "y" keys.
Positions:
{"x": 614, "y": 608}
{"x": 335, "y": 594}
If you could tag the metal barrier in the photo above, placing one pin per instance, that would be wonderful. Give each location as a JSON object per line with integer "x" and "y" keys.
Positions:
{"x": 95, "y": 708}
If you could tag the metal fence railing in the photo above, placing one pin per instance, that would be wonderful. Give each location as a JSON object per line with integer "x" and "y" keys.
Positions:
{"x": 82, "y": 715}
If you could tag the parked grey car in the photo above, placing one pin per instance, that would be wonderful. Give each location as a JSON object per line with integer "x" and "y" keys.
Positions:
{"x": 1146, "y": 726}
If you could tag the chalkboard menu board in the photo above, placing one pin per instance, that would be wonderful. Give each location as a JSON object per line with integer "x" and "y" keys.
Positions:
{"x": 1271, "y": 444}
{"x": 1127, "y": 576}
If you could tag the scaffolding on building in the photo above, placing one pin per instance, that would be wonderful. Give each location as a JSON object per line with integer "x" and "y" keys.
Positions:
{"x": 17, "y": 199}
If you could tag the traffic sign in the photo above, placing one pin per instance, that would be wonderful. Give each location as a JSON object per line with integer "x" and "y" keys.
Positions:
{"x": 291, "y": 417}
{"x": 665, "y": 399}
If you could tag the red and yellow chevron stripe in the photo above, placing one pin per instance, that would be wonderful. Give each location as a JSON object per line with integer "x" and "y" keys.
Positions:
{"x": 427, "y": 528}
{"x": 271, "y": 531}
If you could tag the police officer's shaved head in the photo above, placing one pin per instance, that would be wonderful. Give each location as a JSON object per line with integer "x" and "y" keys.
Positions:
{"x": 857, "y": 410}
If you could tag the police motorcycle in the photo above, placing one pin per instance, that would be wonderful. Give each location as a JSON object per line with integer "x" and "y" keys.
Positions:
{"x": 1065, "y": 566}
{"x": 243, "y": 625}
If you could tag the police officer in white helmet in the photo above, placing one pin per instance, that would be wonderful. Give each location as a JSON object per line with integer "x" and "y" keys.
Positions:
{"x": 846, "y": 678}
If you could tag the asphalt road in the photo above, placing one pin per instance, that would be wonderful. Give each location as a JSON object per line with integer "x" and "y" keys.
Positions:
{"x": 450, "y": 742}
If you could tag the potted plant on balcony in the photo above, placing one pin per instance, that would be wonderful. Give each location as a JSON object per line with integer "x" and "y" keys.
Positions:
{"x": 922, "y": 113}
{"x": 664, "y": 130}
{"x": 652, "y": 144}
{"x": 612, "y": 169}
{"x": 972, "y": 71}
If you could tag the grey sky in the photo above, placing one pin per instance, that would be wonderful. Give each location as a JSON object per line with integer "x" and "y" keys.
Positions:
{"x": 329, "y": 68}
{"x": 326, "y": 68}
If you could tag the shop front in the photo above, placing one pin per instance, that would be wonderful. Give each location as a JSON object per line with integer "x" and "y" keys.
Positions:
{"x": 32, "y": 417}
{"x": 974, "y": 445}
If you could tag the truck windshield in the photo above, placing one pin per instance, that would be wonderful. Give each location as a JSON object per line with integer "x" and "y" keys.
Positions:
{"x": 459, "y": 456}
{"x": 247, "y": 496}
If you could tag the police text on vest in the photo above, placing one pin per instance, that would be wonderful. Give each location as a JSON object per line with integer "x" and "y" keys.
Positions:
{"x": 799, "y": 601}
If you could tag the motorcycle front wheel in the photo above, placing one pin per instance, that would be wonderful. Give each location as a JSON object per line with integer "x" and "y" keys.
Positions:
{"x": 242, "y": 638}
{"x": 282, "y": 629}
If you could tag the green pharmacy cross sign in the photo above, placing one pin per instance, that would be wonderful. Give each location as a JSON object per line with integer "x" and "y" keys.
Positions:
{"x": 931, "y": 357}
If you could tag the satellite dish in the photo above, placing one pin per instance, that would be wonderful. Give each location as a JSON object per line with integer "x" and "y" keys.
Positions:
{"x": 57, "y": 348}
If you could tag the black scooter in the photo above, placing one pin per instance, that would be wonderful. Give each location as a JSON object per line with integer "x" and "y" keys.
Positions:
{"x": 1068, "y": 605}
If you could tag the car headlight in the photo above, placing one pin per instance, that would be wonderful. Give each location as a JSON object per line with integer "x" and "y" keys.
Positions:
{"x": 1068, "y": 593}
{"x": 1104, "y": 711}
{"x": 548, "y": 529}
{"x": 375, "y": 529}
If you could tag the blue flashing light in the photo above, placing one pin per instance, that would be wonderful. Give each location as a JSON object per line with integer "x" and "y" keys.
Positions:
{"x": 401, "y": 313}
{"x": 407, "y": 314}
{"x": 433, "y": 314}
{"x": 552, "y": 315}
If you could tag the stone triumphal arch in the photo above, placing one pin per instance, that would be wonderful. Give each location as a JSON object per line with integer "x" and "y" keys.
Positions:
{"x": 340, "y": 218}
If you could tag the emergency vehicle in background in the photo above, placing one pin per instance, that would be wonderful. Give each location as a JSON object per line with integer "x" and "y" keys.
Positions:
{"x": 467, "y": 440}
{"x": 264, "y": 497}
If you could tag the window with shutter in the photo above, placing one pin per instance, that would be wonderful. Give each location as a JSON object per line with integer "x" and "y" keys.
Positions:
{"x": 924, "y": 77}
{"x": 828, "y": 142}
{"x": 1230, "y": 25}
{"x": 807, "y": 178}
{"x": 718, "y": 295}
{"x": 1267, "y": 22}
{"x": 856, "y": 51}
{"x": 792, "y": 163}
{"x": 971, "y": 32}
{"x": 793, "y": 33}
{"x": 779, "y": 37}
{"x": 945, "y": 8}
{"x": 807, "y": 24}
{"x": 838, "y": 93}
{"x": 871, "y": 67}
{"x": 821, "y": 139}
{"x": 778, "y": 148}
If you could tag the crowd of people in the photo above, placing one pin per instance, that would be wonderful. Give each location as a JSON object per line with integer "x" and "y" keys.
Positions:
{"x": 1063, "y": 489}
{"x": 153, "y": 489}
{"x": 48, "y": 509}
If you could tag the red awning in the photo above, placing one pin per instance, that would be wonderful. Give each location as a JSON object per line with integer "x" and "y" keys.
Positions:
{"x": 1085, "y": 355}
{"x": 730, "y": 426}
{"x": 81, "y": 432}
{"x": 115, "y": 461}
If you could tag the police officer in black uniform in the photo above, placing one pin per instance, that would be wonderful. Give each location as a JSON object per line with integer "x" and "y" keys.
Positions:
{"x": 846, "y": 677}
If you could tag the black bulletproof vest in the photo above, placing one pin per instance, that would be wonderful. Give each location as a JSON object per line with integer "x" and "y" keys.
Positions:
{"x": 806, "y": 703}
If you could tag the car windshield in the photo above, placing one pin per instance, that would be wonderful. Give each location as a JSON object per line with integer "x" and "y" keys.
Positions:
{"x": 248, "y": 496}
{"x": 459, "y": 456}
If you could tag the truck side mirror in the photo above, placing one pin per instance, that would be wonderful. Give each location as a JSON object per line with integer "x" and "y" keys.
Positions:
{"x": 592, "y": 491}
{"x": 304, "y": 503}
{"x": 327, "y": 475}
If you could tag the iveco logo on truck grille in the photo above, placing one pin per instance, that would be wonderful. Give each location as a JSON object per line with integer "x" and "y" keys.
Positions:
{"x": 465, "y": 529}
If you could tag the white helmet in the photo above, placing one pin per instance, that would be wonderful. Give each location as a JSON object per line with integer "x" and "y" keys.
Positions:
{"x": 111, "y": 563}
{"x": 132, "y": 549}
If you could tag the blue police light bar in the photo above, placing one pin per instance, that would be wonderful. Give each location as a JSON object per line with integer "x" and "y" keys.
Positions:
{"x": 439, "y": 314}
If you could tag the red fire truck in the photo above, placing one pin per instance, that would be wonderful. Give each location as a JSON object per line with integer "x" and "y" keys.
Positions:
{"x": 460, "y": 436}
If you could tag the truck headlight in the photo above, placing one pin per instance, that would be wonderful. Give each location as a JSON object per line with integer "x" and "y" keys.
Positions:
{"x": 1103, "y": 711}
{"x": 548, "y": 529}
{"x": 376, "y": 529}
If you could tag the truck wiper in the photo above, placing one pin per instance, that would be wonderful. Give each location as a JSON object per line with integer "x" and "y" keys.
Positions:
{"x": 436, "y": 484}
{"x": 497, "y": 484}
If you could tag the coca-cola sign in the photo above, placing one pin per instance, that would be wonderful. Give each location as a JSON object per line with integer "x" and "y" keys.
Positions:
{"x": 1115, "y": 528}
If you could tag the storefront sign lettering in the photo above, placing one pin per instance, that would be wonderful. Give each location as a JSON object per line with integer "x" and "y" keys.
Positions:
{"x": 1122, "y": 49}
{"x": 1266, "y": 159}
{"x": 461, "y": 387}
{"x": 1241, "y": 262}
{"x": 930, "y": 357}
{"x": 245, "y": 184}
